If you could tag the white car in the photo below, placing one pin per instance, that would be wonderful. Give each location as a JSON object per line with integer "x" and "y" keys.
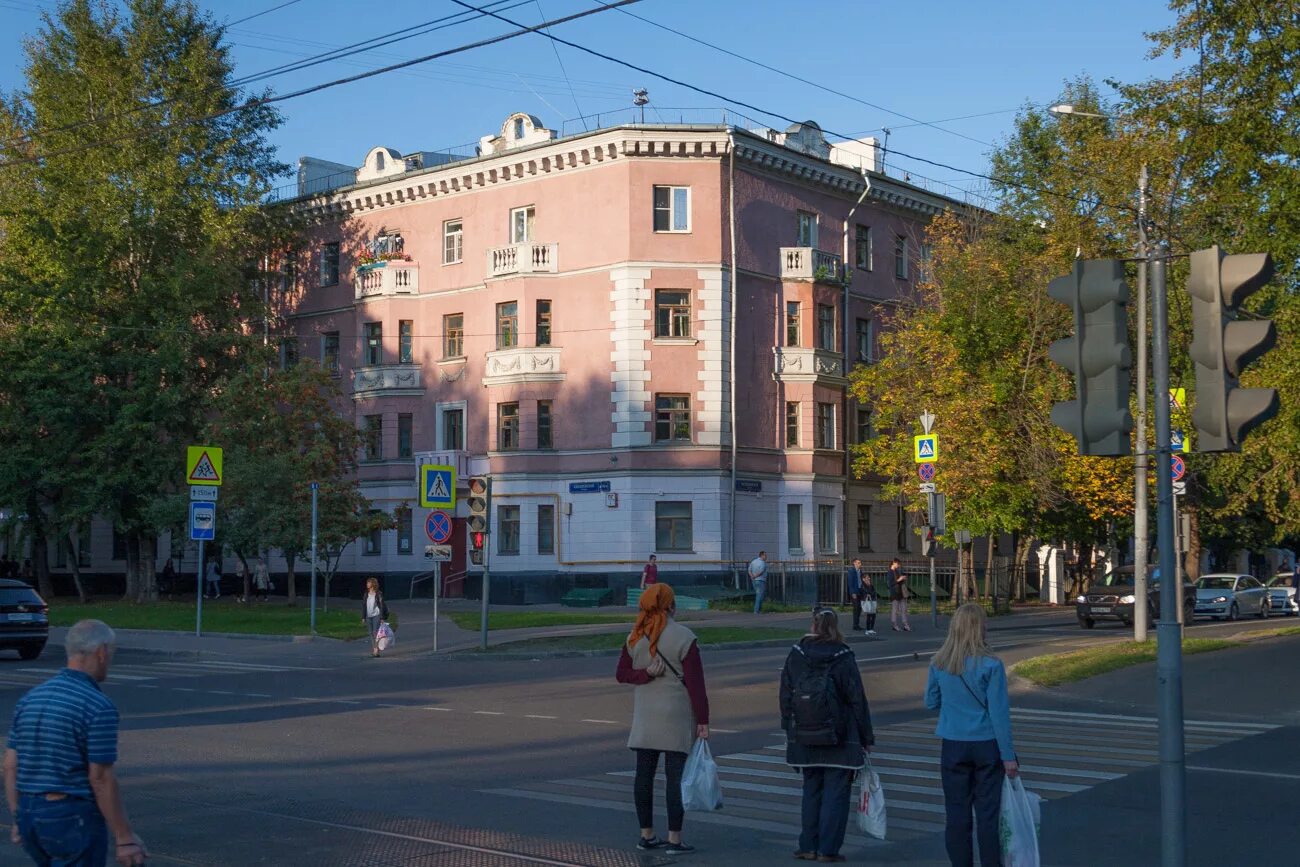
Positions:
{"x": 1227, "y": 596}
{"x": 1281, "y": 595}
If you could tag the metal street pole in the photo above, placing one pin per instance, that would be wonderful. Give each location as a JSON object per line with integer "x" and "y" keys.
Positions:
{"x": 198, "y": 612}
{"x": 487, "y": 584}
{"x": 315, "y": 489}
{"x": 437, "y": 592}
{"x": 1141, "y": 535}
{"x": 934, "y": 596}
{"x": 1169, "y": 649}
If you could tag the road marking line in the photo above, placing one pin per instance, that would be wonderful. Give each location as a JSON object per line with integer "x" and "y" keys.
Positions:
{"x": 490, "y": 712}
{"x": 444, "y": 709}
{"x": 724, "y": 731}
{"x": 146, "y": 685}
{"x": 257, "y": 694}
{"x": 608, "y": 722}
{"x": 1261, "y": 726}
{"x": 539, "y": 716}
{"x": 343, "y": 701}
{"x": 220, "y": 692}
{"x": 221, "y": 663}
{"x": 1243, "y": 771}
{"x": 383, "y": 704}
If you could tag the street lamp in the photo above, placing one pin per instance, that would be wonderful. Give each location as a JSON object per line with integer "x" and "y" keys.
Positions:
{"x": 1064, "y": 108}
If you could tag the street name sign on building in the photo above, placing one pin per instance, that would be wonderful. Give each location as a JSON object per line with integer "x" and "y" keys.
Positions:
{"x": 203, "y": 521}
{"x": 438, "y": 553}
{"x": 590, "y": 487}
{"x": 749, "y": 486}
{"x": 925, "y": 448}
{"x": 438, "y": 527}
{"x": 203, "y": 465}
{"x": 207, "y": 495}
{"x": 437, "y": 486}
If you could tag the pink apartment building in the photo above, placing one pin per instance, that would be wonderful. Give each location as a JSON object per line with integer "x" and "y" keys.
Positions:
{"x": 640, "y": 332}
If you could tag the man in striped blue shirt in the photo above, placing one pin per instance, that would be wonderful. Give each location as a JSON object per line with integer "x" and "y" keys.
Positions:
{"x": 58, "y": 764}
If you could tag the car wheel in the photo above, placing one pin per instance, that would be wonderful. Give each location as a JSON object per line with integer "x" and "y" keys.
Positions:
{"x": 1087, "y": 622}
{"x": 30, "y": 651}
{"x": 1263, "y": 610}
{"x": 1234, "y": 612}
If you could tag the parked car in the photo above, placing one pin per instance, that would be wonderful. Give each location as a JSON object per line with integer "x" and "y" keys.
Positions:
{"x": 1113, "y": 598}
{"x": 1226, "y": 596}
{"x": 1281, "y": 595}
{"x": 24, "y": 619}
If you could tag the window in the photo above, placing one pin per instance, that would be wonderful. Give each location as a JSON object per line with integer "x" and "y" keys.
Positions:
{"x": 806, "y": 229}
{"x": 672, "y": 418}
{"x": 288, "y": 353}
{"x": 862, "y": 247}
{"x": 507, "y": 325}
{"x": 792, "y": 424}
{"x": 374, "y": 348}
{"x": 544, "y": 440}
{"x": 329, "y": 264}
{"x": 453, "y": 429}
{"x": 825, "y": 528}
{"x": 866, "y": 334}
{"x": 453, "y": 242}
{"x": 900, "y": 257}
{"x": 521, "y": 225}
{"x": 453, "y": 335}
{"x": 329, "y": 352}
{"x": 374, "y": 437}
{"x": 864, "y": 527}
{"x": 507, "y": 426}
{"x": 508, "y": 530}
{"x": 672, "y": 313}
{"x": 545, "y": 529}
{"x": 519, "y": 128}
{"x": 863, "y": 430}
{"x": 902, "y": 528}
{"x": 379, "y": 161}
{"x": 374, "y": 540}
{"x": 825, "y": 326}
{"x": 405, "y": 428}
{"x": 543, "y": 323}
{"x": 825, "y": 425}
{"x": 794, "y": 526}
{"x": 926, "y": 253}
{"x": 672, "y": 209}
{"x": 792, "y": 323}
{"x": 288, "y": 274}
{"x": 405, "y": 341}
{"x": 673, "y": 526}
{"x": 404, "y": 521}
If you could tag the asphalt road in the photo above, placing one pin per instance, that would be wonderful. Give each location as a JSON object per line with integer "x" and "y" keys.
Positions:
{"x": 315, "y": 754}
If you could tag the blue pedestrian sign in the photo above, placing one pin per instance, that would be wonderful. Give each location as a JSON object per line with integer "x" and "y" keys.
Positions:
{"x": 438, "y": 527}
{"x": 437, "y": 486}
{"x": 1178, "y": 442}
{"x": 203, "y": 521}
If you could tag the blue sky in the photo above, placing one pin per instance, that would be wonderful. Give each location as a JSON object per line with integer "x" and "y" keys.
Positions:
{"x": 931, "y": 61}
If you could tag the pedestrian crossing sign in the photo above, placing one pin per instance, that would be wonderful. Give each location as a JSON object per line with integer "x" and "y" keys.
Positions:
{"x": 203, "y": 465}
{"x": 925, "y": 448}
{"x": 437, "y": 486}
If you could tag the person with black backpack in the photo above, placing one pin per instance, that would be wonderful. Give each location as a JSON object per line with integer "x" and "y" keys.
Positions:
{"x": 828, "y": 732}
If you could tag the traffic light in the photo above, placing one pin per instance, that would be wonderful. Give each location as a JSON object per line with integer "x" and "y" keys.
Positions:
{"x": 929, "y": 547}
{"x": 1098, "y": 355}
{"x": 476, "y": 540}
{"x": 1222, "y": 347}
{"x": 479, "y": 502}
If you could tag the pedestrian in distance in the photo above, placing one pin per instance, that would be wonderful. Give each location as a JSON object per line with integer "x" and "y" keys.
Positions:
{"x": 650, "y": 574}
{"x": 869, "y": 603}
{"x": 374, "y": 611}
{"x": 968, "y": 686}
{"x": 261, "y": 580}
{"x": 758, "y": 577}
{"x": 167, "y": 582}
{"x": 58, "y": 764}
{"x": 212, "y": 580}
{"x": 827, "y": 723}
{"x": 898, "y": 597}
{"x": 854, "y": 580}
{"x": 670, "y": 709}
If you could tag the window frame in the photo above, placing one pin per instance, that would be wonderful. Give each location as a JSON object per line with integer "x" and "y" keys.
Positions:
{"x": 902, "y": 528}
{"x": 545, "y": 529}
{"x": 671, "y": 211}
{"x": 826, "y": 320}
{"x": 826, "y": 529}
{"x": 453, "y": 241}
{"x": 373, "y": 437}
{"x": 372, "y": 343}
{"x": 672, "y": 524}
{"x": 288, "y": 353}
{"x": 671, "y": 317}
{"x": 529, "y": 226}
{"x": 825, "y": 426}
{"x": 453, "y": 337}
{"x": 405, "y": 531}
{"x": 508, "y": 426}
{"x": 545, "y": 423}
{"x": 900, "y": 257}
{"x": 671, "y": 415}
{"x": 866, "y": 340}
{"x": 330, "y": 362}
{"x": 864, "y": 252}
{"x": 405, "y": 435}
{"x": 542, "y": 322}
{"x": 329, "y": 265}
{"x": 374, "y": 546}
{"x": 863, "y": 524}
{"x": 508, "y": 527}
{"x": 793, "y": 423}
{"x": 507, "y": 324}
{"x": 793, "y": 323}
{"x": 863, "y": 429}
{"x": 794, "y": 529}
{"x": 446, "y": 428}
{"x": 406, "y": 341}
{"x": 806, "y": 220}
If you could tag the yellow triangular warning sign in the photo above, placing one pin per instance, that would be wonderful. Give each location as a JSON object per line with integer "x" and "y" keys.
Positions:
{"x": 204, "y": 471}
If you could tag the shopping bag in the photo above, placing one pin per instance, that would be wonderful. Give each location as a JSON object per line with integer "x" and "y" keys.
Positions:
{"x": 385, "y": 638}
{"x": 871, "y": 805}
{"x": 700, "y": 787}
{"x": 868, "y": 606}
{"x": 1018, "y": 824}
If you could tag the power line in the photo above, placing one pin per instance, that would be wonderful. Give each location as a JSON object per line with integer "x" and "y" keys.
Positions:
{"x": 260, "y": 14}
{"x": 560, "y": 61}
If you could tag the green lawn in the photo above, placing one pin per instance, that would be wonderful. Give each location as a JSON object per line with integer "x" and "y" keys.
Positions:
{"x": 220, "y": 616}
{"x": 527, "y": 619}
{"x": 1058, "y": 668}
{"x": 613, "y": 640}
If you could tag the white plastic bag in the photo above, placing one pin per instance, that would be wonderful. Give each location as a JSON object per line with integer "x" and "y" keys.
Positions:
{"x": 1018, "y": 824}
{"x": 871, "y": 805}
{"x": 385, "y": 638}
{"x": 868, "y": 606}
{"x": 700, "y": 787}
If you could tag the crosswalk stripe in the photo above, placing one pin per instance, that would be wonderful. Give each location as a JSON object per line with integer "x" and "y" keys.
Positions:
{"x": 1112, "y": 716}
{"x": 1152, "y": 754}
{"x": 1200, "y": 727}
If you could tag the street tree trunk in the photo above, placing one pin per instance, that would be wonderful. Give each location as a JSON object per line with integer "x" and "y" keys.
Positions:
{"x": 40, "y": 549}
{"x": 147, "y": 582}
{"x": 290, "y": 557}
{"x": 75, "y": 566}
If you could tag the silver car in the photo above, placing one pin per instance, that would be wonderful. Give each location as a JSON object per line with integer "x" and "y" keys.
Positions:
{"x": 1227, "y": 596}
{"x": 1281, "y": 594}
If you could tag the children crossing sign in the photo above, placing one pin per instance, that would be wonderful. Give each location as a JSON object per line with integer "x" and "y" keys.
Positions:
{"x": 925, "y": 448}
{"x": 437, "y": 486}
{"x": 203, "y": 465}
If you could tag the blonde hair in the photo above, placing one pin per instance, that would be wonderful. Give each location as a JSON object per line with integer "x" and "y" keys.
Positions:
{"x": 372, "y": 583}
{"x": 965, "y": 639}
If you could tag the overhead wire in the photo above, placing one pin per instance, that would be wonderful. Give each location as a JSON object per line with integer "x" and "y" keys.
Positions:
{"x": 260, "y": 14}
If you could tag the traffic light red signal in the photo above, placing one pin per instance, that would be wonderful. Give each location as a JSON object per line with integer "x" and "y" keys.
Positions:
{"x": 476, "y": 540}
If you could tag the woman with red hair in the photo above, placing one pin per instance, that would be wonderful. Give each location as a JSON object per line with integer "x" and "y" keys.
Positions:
{"x": 670, "y": 709}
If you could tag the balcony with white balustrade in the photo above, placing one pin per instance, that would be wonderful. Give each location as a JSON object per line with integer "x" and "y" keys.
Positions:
{"x": 527, "y": 258}
{"x": 809, "y": 263}
{"x": 387, "y": 278}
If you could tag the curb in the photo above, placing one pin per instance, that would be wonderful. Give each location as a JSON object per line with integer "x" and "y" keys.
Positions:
{"x": 474, "y": 654}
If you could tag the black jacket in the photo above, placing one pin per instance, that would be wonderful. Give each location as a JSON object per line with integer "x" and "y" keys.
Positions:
{"x": 854, "y": 723}
{"x": 383, "y": 606}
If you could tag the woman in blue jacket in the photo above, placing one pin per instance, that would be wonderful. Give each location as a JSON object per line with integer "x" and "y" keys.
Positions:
{"x": 968, "y": 686}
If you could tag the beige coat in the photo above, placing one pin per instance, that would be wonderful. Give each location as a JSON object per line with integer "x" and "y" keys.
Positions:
{"x": 662, "y": 718}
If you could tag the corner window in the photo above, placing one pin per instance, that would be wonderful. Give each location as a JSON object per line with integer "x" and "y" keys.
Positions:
{"x": 543, "y": 323}
{"x": 508, "y": 530}
{"x": 672, "y": 418}
{"x": 453, "y": 242}
{"x": 825, "y": 529}
{"x": 806, "y": 229}
{"x": 405, "y": 432}
{"x": 792, "y": 323}
{"x": 405, "y": 341}
{"x": 374, "y": 437}
{"x": 825, "y": 425}
{"x": 865, "y": 331}
{"x": 329, "y": 264}
{"x": 374, "y": 347}
{"x": 900, "y": 257}
{"x": 545, "y": 529}
{"x": 544, "y": 439}
{"x": 329, "y": 352}
{"x": 864, "y": 527}
{"x": 672, "y": 313}
{"x": 507, "y": 426}
{"x": 521, "y": 225}
{"x": 673, "y": 526}
{"x": 507, "y": 325}
{"x": 453, "y": 335}
{"x": 792, "y": 424}
{"x": 825, "y": 326}
{"x": 374, "y": 540}
{"x": 863, "y": 252}
{"x": 794, "y": 527}
{"x": 672, "y": 209}
{"x": 453, "y": 429}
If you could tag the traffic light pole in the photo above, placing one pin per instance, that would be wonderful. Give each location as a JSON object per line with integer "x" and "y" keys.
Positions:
{"x": 1169, "y": 650}
{"x": 1141, "y": 535}
{"x": 487, "y": 584}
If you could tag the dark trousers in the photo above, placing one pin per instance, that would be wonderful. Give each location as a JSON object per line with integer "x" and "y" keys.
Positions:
{"x": 67, "y": 833}
{"x": 972, "y": 778}
{"x": 856, "y": 601}
{"x": 647, "y": 763}
{"x": 826, "y": 793}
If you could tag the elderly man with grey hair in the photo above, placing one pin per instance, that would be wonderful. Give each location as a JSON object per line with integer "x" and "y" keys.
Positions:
{"x": 58, "y": 763}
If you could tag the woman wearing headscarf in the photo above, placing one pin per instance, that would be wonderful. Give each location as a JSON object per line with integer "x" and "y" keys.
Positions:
{"x": 670, "y": 709}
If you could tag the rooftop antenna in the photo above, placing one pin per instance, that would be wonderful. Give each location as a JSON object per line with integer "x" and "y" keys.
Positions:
{"x": 641, "y": 96}
{"x": 884, "y": 151}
